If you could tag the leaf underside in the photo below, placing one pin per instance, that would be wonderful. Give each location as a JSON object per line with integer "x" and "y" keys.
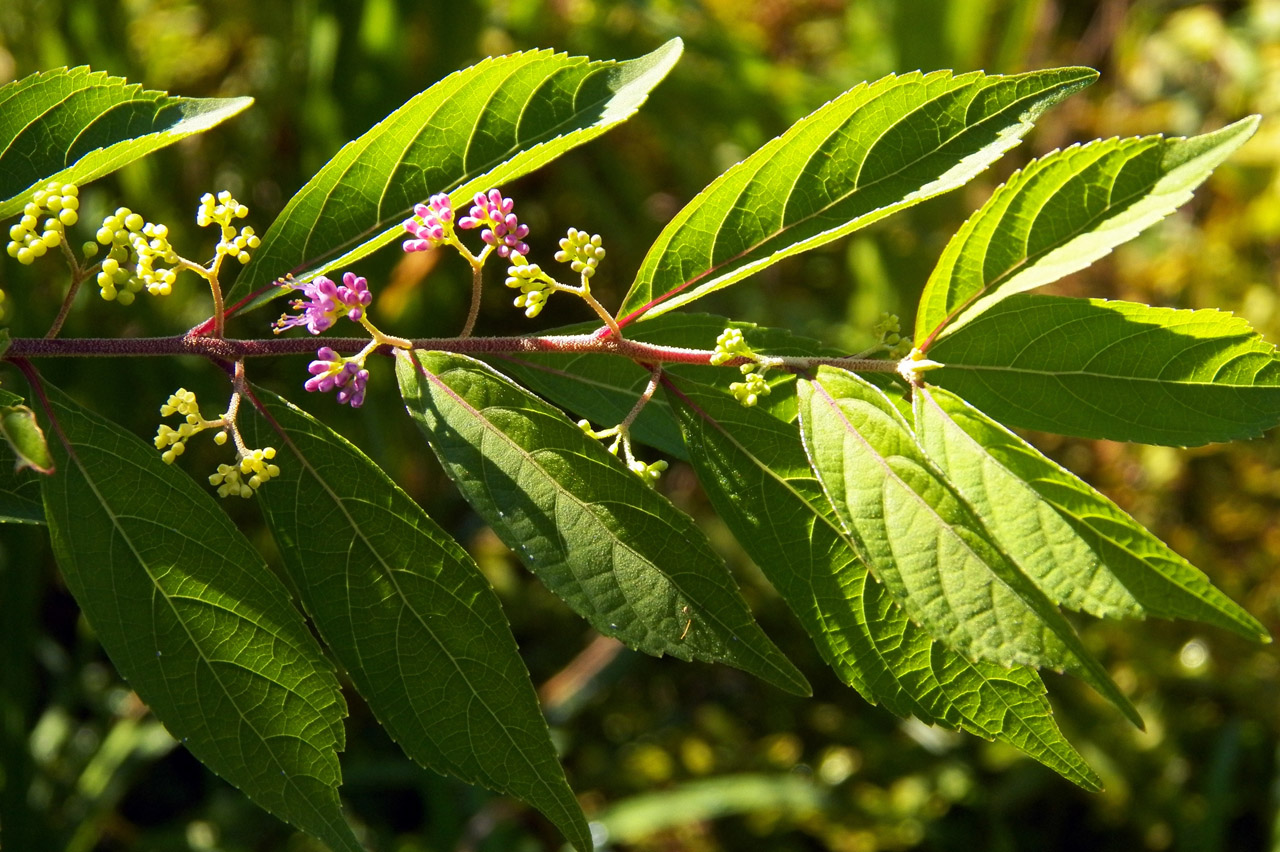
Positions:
{"x": 1060, "y": 214}
{"x": 1078, "y": 546}
{"x": 923, "y": 541}
{"x": 876, "y": 149}
{"x": 75, "y": 125}
{"x": 477, "y": 128}
{"x": 754, "y": 470}
{"x": 195, "y": 621}
{"x": 411, "y": 618}
{"x": 618, "y": 553}
{"x": 1115, "y": 370}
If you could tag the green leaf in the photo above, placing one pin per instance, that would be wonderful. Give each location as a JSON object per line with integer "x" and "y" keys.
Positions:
{"x": 874, "y": 150}
{"x": 25, "y": 438}
{"x": 924, "y": 543}
{"x": 617, "y": 552}
{"x": 411, "y": 618}
{"x": 475, "y": 129}
{"x": 1114, "y": 370}
{"x": 20, "y": 501}
{"x": 75, "y": 125}
{"x": 754, "y": 469}
{"x": 1063, "y": 212}
{"x": 1081, "y": 548}
{"x": 195, "y": 621}
{"x": 604, "y": 390}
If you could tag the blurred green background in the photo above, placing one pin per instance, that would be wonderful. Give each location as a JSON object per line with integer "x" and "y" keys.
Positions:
{"x": 670, "y": 756}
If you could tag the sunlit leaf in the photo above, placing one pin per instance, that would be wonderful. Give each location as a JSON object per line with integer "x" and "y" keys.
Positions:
{"x": 877, "y": 148}
{"x": 75, "y": 125}
{"x": 754, "y": 469}
{"x": 409, "y": 616}
{"x": 617, "y": 552}
{"x": 924, "y": 543}
{"x": 1115, "y": 370}
{"x": 476, "y": 129}
{"x": 1060, "y": 214}
{"x": 195, "y": 621}
{"x": 1081, "y": 548}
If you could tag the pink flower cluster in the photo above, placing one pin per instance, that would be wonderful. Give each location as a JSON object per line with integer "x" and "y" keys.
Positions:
{"x": 437, "y": 221}
{"x": 330, "y": 370}
{"x": 502, "y": 229}
{"x": 326, "y": 301}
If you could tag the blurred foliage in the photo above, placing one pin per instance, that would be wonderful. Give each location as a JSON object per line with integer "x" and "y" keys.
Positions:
{"x": 671, "y": 756}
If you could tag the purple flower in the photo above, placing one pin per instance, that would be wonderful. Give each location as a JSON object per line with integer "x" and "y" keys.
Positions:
{"x": 325, "y": 302}
{"x": 502, "y": 229}
{"x": 436, "y": 222}
{"x": 330, "y": 370}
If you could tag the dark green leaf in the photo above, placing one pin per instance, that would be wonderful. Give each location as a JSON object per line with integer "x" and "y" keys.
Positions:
{"x": 924, "y": 543}
{"x": 19, "y": 496}
{"x": 1115, "y": 370}
{"x": 621, "y": 555}
{"x": 195, "y": 621}
{"x": 754, "y": 469}
{"x": 408, "y": 614}
{"x": 1060, "y": 214}
{"x": 877, "y": 148}
{"x": 74, "y": 126}
{"x": 476, "y": 129}
{"x": 1081, "y": 548}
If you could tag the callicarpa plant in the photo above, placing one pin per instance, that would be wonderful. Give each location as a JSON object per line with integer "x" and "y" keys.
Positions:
{"x": 925, "y": 547}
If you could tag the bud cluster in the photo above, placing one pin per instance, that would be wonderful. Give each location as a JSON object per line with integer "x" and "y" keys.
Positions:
{"x": 250, "y": 471}
{"x": 135, "y": 246}
{"x": 221, "y": 211}
{"x": 535, "y": 286}
{"x": 29, "y": 239}
{"x": 174, "y": 441}
{"x": 330, "y": 370}
{"x": 582, "y": 251}
{"x": 432, "y": 224}
{"x": 731, "y": 345}
{"x": 502, "y": 230}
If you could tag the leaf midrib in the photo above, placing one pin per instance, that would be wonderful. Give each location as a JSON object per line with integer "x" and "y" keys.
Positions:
{"x": 404, "y": 599}
{"x": 208, "y": 663}
{"x": 491, "y": 427}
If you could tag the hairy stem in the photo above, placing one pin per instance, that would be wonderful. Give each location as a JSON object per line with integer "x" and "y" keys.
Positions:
{"x": 233, "y": 350}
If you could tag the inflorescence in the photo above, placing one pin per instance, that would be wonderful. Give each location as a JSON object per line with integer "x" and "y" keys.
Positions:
{"x": 29, "y": 238}
{"x": 251, "y": 469}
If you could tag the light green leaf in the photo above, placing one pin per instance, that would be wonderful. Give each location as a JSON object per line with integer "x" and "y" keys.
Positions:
{"x": 616, "y": 551}
{"x": 25, "y": 438}
{"x": 476, "y": 129}
{"x": 924, "y": 543}
{"x": 75, "y": 125}
{"x": 1063, "y": 212}
{"x": 195, "y": 621}
{"x": 874, "y": 150}
{"x": 1115, "y": 370}
{"x": 409, "y": 615}
{"x": 1081, "y": 548}
{"x": 754, "y": 469}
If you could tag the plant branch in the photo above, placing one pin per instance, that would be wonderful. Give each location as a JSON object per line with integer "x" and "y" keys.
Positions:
{"x": 233, "y": 349}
